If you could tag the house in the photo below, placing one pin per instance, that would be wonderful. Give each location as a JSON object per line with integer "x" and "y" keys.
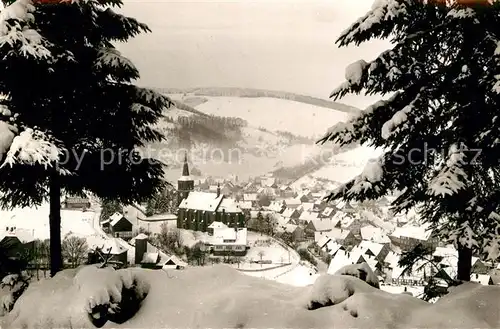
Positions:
{"x": 285, "y": 191}
{"x": 296, "y": 231}
{"x": 291, "y": 213}
{"x": 77, "y": 203}
{"x": 307, "y": 216}
{"x": 318, "y": 225}
{"x": 267, "y": 191}
{"x": 306, "y": 206}
{"x": 343, "y": 237}
{"x": 408, "y": 236}
{"x": 215, "y": 226}
{"x": 372, "y": 249}
{"x": 120, "y": 226}
{"x": 292, "y": 203}
{"x": 277, "y": 206}
{"x": 16, "y": 241}
{"x": 483, "y": 279}
{"x": 251, "y": 197}
{"x": 229, "y": 241}
{"x": 479, "y": 267}
{"x": 173, "y": 262}
{"x": 332, "y": 247}
{"x": 116, "y": 252}
{"x": 245, "y": 205}
{"x": 304, "y": 196}
{"x": 338, "y": 261}
{"x": 374, "y": 234}
{"x": 328, "y": 212}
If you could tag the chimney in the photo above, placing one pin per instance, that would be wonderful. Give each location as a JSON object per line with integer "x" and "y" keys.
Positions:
{"x": 218, "y": 189}
{"x": 141, "y": 246}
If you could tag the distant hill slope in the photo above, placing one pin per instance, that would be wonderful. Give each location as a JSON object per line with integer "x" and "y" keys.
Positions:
{"x": 250, "y": 93}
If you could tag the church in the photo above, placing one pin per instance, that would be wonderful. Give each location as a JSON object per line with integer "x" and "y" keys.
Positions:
{"x": 197, "y": 210}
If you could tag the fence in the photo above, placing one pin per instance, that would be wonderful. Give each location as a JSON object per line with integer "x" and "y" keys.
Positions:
{"x": 264, "y": 269}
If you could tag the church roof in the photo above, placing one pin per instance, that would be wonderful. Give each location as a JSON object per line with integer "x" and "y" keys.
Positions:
{"x": 201, "y": 201}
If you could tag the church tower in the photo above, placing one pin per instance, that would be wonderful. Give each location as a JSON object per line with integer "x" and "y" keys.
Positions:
{"x": 185, "y": 184}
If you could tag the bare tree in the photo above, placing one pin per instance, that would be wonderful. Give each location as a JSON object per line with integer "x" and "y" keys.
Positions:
{"x": 74, "y": 249}
{"x": 261, "y": 255}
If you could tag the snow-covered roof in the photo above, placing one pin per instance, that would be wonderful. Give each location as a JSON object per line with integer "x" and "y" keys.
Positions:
{"x": 221, "y": 234}
{"x": 293, "y": 202}
{"x": 141, "y": 236}
{"x": 332, "y": 247}
{"x": 375, "y": 234}
{"x": 201, "y": 201}
{"x": 288, "y": 212}
{"x": 176, "y": 260}
{"x": 276, "y": 206}
{"x": 245, "y": 205}
{"x": 250, "y": 196}
{"x": 217, "y": 225}
{"x": 325, "y": 225}
{"x": 483, "y": 279}
{"x": 327, "y": 212}
{"x": 338, "y": 234}
{"x": 307, "y": 206}
{"x": 422, "y": 232}
{"x": 290, "y": 228}
{"x": 115, "y": 218}
{"x": 338, "y": 261}
{"x": 309, "y": 216}
{"x": 150, "y": 258}
{"x": 374, "y": 247}
{"x": 285, "y": 187}
{"x": 23, "y": 235}
{"x": 321, "y": 239}
{"x": 230, "y": 206}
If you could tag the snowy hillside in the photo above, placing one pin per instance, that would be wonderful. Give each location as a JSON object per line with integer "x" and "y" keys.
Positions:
{"x": 233, "y": 141}
{"x": 342, "y": 167}
{"x": 224, "y": 298}
{"x": 276, "y": 114}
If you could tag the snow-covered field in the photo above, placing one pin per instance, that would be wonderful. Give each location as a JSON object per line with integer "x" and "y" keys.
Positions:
{"x": 37, "y": 221}
{"x": 275, "y": 114}
{"x": 344, "y": 166}
{"x": 224, "y": 298}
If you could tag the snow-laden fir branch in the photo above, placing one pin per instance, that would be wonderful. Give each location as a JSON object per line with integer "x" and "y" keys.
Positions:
{"x": 452, "y": 178}
{"x": 15, "y": 31}
{"x": 381, "y": 11}
{"x": 32, "y": 147}
{"x": 111, "y": 57}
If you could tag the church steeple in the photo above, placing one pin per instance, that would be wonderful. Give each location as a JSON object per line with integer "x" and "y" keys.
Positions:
{"x": 185, "y": 184}
{"x": 185, "y": 167}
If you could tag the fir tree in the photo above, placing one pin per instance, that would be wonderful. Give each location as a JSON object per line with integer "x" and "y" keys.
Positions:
{"x": 108, "y": 208}
{"x": 72, "y": 119}
{"x": 438, "y": 130}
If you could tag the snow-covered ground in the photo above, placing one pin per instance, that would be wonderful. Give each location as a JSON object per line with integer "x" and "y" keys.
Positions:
{"x": 37, "y": 220}
{"x": 224, "y": 298}
{"x": 275, "y": 114}
{"x": 342, "y": 167}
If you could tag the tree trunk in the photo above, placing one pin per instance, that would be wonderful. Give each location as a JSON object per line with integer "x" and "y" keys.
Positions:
{"x": 464, "y": 263}
{"x": 55, "y": 224}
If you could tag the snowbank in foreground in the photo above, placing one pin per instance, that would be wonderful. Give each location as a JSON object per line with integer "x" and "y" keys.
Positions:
{"x": 220, "y": 297}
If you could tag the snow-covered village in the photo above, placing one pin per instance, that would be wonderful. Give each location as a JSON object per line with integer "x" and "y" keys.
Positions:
{"x": 186, "y": 164}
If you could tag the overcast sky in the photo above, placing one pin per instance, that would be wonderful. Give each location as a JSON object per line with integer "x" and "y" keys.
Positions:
{"x": 286, "y": 45}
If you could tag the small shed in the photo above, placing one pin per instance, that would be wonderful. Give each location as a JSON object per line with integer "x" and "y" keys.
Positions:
{"x": 173, "y": 262}
{"x": 120, "y": 226}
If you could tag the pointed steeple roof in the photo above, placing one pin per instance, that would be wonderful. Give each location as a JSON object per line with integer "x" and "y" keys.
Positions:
{"x": 185, "y": 168}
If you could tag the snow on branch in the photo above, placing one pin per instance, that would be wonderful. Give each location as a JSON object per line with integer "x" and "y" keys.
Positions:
{"x": 32, "y": 147}
{"x": 372, "y": 173}
{"x": 111, "y": 57}
{"x": 399, "y": 118}
{"x": 346, "y": 132}
{"x": 14, "y": 30}
{"x": 491, "y": 237}
{"x": 381, "y": 11}
{"x": 353, "y": 75}
{"x": 452, "y": 178}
